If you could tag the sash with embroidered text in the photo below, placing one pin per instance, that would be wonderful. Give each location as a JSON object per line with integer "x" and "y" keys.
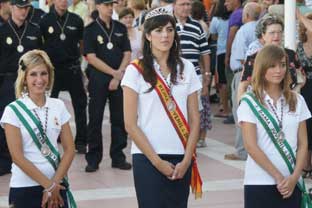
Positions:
{"x": 42, "y": 142}
{"x": 281, "y": 144}
{"x": 179, "y": 123}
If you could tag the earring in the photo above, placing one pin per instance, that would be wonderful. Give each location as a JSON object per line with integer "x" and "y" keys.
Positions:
{"x": 24, "y": 92}
{"x": 176, "y": 43}
{"x": 47, "y": 93}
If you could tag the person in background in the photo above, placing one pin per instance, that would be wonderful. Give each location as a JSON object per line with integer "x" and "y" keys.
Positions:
{"x": 194, "y": 47}
{"x": 219, "y": 30}
{"x": 4, "y": 11}
{"x": 198, "y": 13}
{"x": 304, "y": 52}
{"x": 63, "y": 32}
{"x": 235, "y": 22}
{"x": 243, "y": 38}
{"x": 108, "y": 51}
{"x": 80, "y": 8}
{"x": 126, "y": 17}
{"x": 139, "y": 9}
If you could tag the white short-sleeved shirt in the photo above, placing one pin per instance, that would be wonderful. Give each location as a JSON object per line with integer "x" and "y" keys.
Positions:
{"x": 57, "y": 116}
{"x": 254, "y": 174}
{"x": 152, "y": 117}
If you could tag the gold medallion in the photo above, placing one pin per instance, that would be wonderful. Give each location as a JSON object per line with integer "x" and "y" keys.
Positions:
{"x": 50, "y": 30}
{"x": 100, "y": 39}
{"x": 9, "y": 40}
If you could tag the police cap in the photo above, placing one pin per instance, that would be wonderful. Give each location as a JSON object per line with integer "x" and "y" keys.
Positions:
{"x": 105, "y": 1}
{"x": 20, "y": 3}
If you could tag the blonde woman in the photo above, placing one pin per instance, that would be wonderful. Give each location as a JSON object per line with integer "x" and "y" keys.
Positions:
{"x": 32, "y": 125}
{"x": 273, "y": 121}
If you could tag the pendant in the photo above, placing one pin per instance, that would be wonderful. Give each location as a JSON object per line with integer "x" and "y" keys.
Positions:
{"x": 171, "y": 106}
{"x": 62, "y": 36}
{"x": 20, "y": 48}
{"x": 109, "y": 45}
{"x": 45, "y": 150}
{"x": 281, "y": 136}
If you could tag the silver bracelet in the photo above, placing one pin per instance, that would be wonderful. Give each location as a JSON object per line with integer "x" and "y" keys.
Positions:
{"x": 50, "y": 188}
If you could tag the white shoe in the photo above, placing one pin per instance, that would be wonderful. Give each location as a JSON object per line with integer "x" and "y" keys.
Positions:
{"x": 201, "y": 143}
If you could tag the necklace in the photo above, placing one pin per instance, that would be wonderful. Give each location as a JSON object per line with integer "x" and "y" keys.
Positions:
{"x": 280, "y": 134}
{"x": 109, "y": 45}
{"x": 62, "y": 35}
{"x": 20, "y": 47}
{"x": 171, "y": 106}
{"x": 45, "y": 150}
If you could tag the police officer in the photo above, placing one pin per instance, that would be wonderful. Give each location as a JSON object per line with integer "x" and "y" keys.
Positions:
{"x": 63, "y": 32}
{"x": 17, "y": 36}
{"x": 108, "y": 52}
{"x": 4, "y": 11}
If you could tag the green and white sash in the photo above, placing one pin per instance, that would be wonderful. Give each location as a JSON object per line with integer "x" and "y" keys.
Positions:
{"x": 282, "y": 146}
{"x": 36, "y": 132}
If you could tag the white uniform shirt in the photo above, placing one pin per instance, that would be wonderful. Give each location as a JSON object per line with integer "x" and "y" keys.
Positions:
{"x": 254, "y": 174}
{"x": 152, "y": 117}
{"x": 57, "y": 116}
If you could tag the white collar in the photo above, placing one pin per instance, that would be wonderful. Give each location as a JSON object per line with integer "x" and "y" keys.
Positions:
{"x": 31, "y": 105}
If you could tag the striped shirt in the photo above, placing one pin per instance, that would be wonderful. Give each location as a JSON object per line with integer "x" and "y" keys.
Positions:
{"x": 193, "y": 41}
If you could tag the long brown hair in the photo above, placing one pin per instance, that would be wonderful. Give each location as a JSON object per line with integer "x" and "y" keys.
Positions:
{"x": 266, "y": 58}
{"x": 174, "y": 59}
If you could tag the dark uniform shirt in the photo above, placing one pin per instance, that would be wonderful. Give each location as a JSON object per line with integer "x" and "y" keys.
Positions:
{"x": 9, "y": 42}
{"x": 63, "y": 53}
{"x": 292, "y": 60}
{"x": 35, "y": 15}
{"x": 95, "y": 41}
{"x": 2, "y": 21}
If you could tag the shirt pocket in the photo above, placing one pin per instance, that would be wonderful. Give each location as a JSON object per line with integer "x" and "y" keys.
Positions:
{"x": 181, "y": 89}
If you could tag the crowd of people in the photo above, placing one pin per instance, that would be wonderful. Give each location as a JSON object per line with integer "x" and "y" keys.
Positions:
{"x": 156, "y": 64}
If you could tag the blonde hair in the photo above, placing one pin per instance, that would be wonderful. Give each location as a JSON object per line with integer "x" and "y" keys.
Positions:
{"x": 266, "y": 58}
{"x": 28, "y": 61}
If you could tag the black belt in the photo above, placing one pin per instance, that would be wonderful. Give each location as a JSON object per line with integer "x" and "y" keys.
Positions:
{"x": 237, "y": 70}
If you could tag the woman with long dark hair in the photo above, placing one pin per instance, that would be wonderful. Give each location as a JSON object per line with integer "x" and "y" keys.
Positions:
{"x": 162, "y": 117}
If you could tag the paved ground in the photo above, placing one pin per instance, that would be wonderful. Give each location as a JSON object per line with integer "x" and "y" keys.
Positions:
{"x": 111, "y": 188}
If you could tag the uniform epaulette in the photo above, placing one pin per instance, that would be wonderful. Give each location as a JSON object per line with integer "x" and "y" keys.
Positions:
{"x": 90, "y": 24}
{"x": 34, "y": 24}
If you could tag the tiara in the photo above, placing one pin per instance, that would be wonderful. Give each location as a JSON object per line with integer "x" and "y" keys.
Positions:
{"x": 157, "y": 12}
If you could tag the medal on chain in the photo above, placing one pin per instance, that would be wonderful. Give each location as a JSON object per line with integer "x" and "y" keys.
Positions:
{"x": 20, "y": 47}
{"x": 110, "y": 44}
{"x": 171, "y": 106}
{"x": 62, "y": 35}
{"x": 45, "y": 149}
{"x": 280, "y": 134}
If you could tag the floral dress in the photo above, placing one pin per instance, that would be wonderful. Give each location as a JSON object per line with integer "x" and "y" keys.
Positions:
{"x": 306, "y": 63}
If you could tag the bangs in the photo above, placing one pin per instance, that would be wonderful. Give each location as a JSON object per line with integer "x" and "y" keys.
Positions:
{"x": 158, "y": 21}
{"x": 270, "y": 56}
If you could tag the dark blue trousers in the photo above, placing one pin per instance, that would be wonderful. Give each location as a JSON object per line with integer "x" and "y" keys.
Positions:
{"x": 267, "y": 196}
{"x": 71, "y": 80}
{"x": 99, "y": 94}
{"x": 7, "y": 95}
{"x": 29, "y": 197}
{"x": 154, "y": 190}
